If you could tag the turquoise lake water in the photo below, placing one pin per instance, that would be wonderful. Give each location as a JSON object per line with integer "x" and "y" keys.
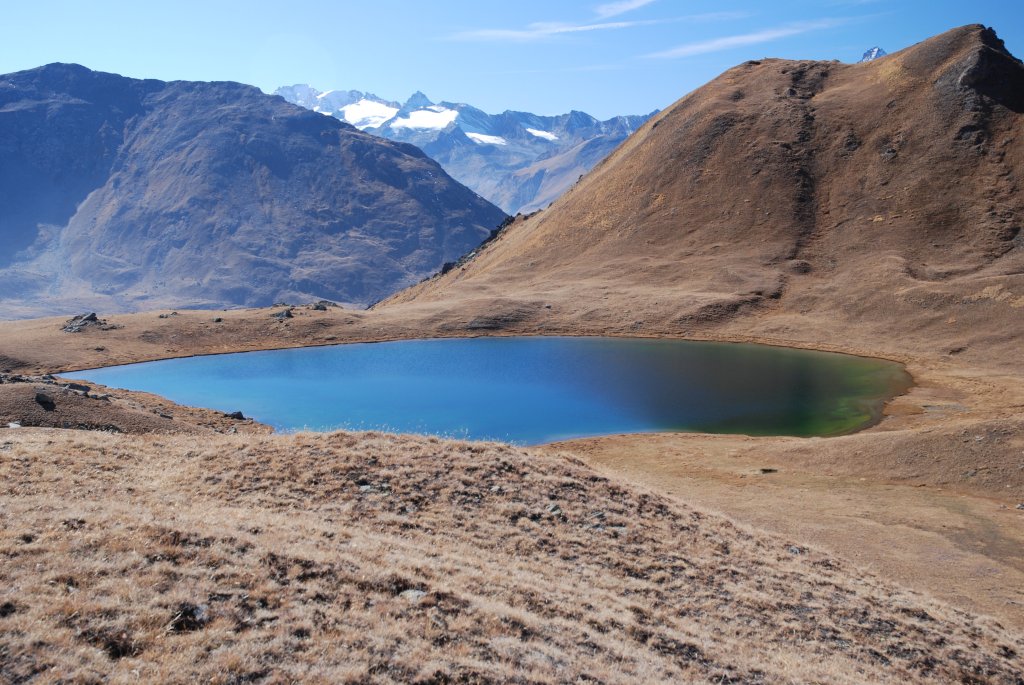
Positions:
{"x": 531, "y": 390}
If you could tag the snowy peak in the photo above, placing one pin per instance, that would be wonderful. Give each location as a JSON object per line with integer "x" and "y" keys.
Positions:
{"x": 417, "y": 101}
{"x": 430, "y": 118}
{"x": 362, "y": 110}
{"x": 873, "y": 54}
{"x": 518, "y": 160}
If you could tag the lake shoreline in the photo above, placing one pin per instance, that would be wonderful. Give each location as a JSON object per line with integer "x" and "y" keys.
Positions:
{"x": 925, "y": 444}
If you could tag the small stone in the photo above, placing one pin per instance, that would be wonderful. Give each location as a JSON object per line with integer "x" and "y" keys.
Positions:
{"x": 77, "y": 323}
{"x": 282, "y": 315}
{"x": 1021, "y": 506}
{"x": 793, "y": 549}
{"x": 189, "y": 617}
{"x": 236, "y": 415}
{"x": 413, "y": 595}
{"x": 14, "y": 424}
{"x": 766, "y": 471}
{"x": 45, "y": 401}
{"x": 218, "y": 320}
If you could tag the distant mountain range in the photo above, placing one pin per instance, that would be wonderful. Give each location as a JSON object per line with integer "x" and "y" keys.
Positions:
{"x": 873, "y": 54}
{"x": 120, "y": 194}
{"x": 517, "y": 160}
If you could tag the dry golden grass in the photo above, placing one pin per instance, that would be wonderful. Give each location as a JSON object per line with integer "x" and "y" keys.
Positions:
{"x": 375, "y": 558}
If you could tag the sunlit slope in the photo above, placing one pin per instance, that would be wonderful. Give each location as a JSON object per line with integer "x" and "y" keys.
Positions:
{"x": 786, "y": 196}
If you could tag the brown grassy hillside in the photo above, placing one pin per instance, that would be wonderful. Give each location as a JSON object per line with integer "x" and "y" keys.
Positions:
{"x": 372, "y": 558}
{"x": 865, "y": 208}
{"x": 874, "y": 204}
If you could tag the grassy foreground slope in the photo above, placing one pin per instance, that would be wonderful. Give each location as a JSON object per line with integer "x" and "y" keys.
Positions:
{"x": 375, "y": 558}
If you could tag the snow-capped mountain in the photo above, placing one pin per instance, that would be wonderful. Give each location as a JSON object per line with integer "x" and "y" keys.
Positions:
{"x": 517, "y": 160}
{"x": 873, "y": 54}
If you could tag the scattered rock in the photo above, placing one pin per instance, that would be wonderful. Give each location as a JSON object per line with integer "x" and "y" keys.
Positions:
{"x": 413, "y": 595}
{"x": 322, "y": 305}
{"x": 6, "y": 609}
{"x": 1021, "y": 506}
{"x": 77, "y": 387}
{"x": 77, "y": 323}
{"x": 189, "y": 618}
{"x": 14, "y": 424}
{"x": 45, "y": 401}
{"x": 218, "y": 320}
{"x": 282, "y": 315}
{"x": 236, "y": 415}
{"x": 167, "y": 316}
{"x": 793, "y": 549}
{"x": 766, "y": 471}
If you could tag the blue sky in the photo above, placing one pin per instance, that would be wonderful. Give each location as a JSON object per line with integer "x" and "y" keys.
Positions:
{"x": 605, "y": 57}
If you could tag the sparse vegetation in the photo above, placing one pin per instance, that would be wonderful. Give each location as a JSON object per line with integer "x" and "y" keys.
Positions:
{"x": 374, "y": 558}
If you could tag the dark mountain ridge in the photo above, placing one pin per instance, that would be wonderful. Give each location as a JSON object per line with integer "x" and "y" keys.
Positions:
{"x": 124, "y": 194}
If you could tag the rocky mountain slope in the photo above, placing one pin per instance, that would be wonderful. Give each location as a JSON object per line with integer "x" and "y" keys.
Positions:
{"x": 872, "y": 206}
{"x": 517, "y": 160}
{"x": 123, "y": 194}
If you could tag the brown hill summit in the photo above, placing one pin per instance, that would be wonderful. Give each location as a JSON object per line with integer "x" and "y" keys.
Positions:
{"x": 813, "y": 201}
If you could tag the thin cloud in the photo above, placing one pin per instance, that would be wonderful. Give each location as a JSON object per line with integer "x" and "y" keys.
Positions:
{"x": 546, "y": 30}
{"x": 744, "y": 39}
{"x": 542, "y": 30}
{"x": 614, "y": 9}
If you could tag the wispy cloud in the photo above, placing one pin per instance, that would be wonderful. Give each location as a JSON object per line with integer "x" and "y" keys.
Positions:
{"x": 743, "y": 39}
{"x": 542, "y": 30}
{"x": 614, "y": 9}
{"x": 546, "y": 30}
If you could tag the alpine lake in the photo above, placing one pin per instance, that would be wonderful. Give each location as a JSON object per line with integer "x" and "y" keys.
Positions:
{"x": 531, "y": 390}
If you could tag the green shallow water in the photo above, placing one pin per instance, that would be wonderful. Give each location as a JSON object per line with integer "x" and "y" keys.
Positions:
{"x": 532, "y": 390}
